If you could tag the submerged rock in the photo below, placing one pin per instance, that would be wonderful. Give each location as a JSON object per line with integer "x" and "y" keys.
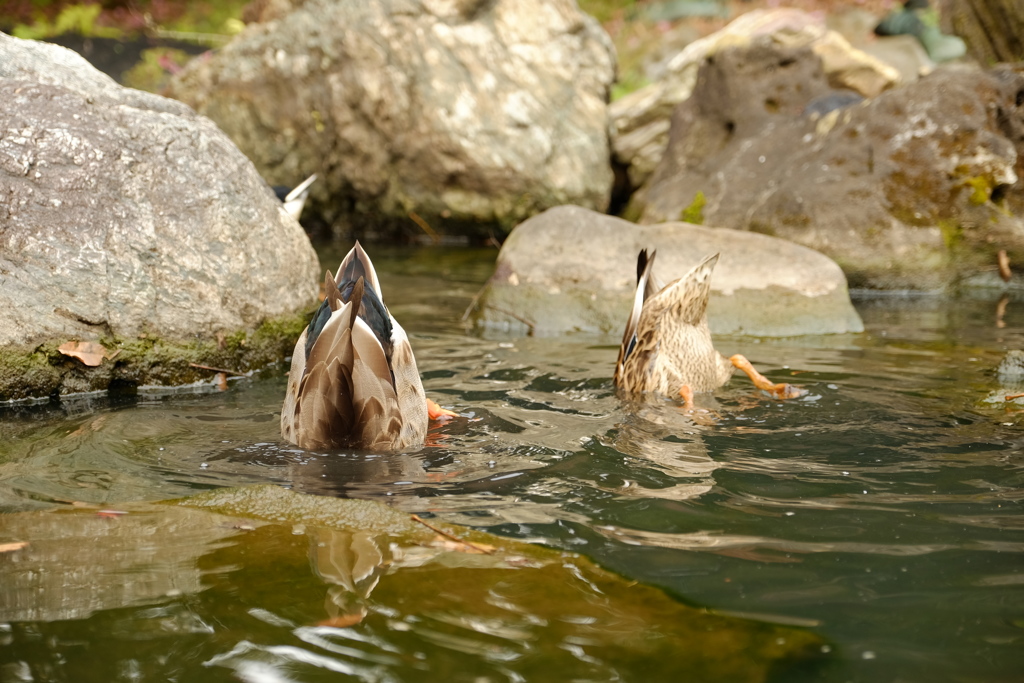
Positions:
{"x": 1011, "y": 369}
{"x": 640, "y": 121}
{"x": 917, "y": 188}
{"x": 127, "y": 218}
{"x": 1010, "y": 376}
{"x": 571, "y": 269}
{"x": 457, "y": 111}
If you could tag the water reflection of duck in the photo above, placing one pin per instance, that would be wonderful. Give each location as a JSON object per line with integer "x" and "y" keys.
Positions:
{"x": 667, "y": 348}
{"x": 352, "y": 563}
{"x": 353, "y": 380}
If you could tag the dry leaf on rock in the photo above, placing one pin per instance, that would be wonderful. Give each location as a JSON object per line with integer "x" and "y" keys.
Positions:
{"x": 90, "y": 353}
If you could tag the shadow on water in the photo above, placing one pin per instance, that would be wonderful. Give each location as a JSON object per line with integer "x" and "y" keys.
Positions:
{"x": 882, "y": 511}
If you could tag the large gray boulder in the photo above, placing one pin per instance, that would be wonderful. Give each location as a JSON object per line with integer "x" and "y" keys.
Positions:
{"x": 917, "y": 188}
{"x": 463, "y": 112}
{"x": 640, "y": 120}
{"x": 128, "y": 219}
{"x": 574, "y": 270}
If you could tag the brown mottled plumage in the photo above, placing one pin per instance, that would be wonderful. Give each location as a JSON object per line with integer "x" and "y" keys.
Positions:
{"x": 667, "y": 344}
{"x": 667, "y": 349}
{"x": 356, "y": 385}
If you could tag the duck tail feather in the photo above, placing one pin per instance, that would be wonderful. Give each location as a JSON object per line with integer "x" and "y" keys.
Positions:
{"x": 643, "y": 268}
{"x": 323, "y": 409}
{"x": 332, "y": 295}
{"x": 687, "y": 297}
{"x": 374, "y": 398}
{"x": 357, "y": 264}
{"x": 652, "y": 284}
{"x": 301, "y": 190}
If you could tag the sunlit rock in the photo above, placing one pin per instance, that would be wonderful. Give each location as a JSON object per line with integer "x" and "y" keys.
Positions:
{"x": 124, "y": 217}
{"x": 905, "y": 54}
{"x": 917, "y": 188}
{"x": 463, "y": 112}
{"x": 640, "y": 120}
{"x": 570, "y": 269}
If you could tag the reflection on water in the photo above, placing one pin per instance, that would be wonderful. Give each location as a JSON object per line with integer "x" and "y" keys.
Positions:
{"x": 884, "y": 507}
{"x": 351, "y": 561}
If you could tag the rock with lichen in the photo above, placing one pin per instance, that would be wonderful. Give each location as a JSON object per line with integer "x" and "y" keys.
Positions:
{"x": 917, "y": 188}
{"x": 640, "y": 120}
{"x": 128, "y": 220}
{"x": 460, "y": 112}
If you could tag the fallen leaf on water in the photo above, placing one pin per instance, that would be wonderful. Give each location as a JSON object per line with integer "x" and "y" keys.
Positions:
{"x": 451, "y": 542}
{"x": 11, "y": 547}
{"x": 462, "y": 546}
{"x": 90, "y": 353}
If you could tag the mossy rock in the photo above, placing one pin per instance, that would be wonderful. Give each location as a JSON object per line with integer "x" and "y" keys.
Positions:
{"x": 27, "y": 373}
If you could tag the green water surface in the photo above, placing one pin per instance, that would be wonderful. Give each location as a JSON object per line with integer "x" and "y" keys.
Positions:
{"x": 870, "y": 531}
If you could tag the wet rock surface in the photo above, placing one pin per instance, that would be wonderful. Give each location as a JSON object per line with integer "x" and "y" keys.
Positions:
{"x": 126, "y": 218}
{"x": 917, "y": 188}
{"x": 465, "y": 112}
{"x": 574, "y": 270}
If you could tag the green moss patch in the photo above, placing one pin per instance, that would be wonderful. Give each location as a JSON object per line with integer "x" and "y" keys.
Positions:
{"x": 44, "y": 371}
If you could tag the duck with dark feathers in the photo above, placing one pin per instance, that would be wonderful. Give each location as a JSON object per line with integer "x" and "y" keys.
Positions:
{"x": 353, "y": 381}
{"x": 667, "y": 349}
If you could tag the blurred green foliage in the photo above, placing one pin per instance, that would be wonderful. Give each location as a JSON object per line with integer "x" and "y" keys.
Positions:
{"x": 154, "y": 70}
{"x": 79, "y": 19}
{"x": 607, "y": 10}
{"x": 40, "y": 19}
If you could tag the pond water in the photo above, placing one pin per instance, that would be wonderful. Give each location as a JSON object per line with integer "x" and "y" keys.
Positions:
{"x": 881, "y": 512}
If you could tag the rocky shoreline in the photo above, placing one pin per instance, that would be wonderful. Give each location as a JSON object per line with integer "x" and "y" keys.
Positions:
{"x": 146, "y": 224}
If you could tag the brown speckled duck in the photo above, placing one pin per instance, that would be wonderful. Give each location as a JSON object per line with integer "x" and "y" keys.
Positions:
{"x": 667, "y": 349}
{"x": 353, "y": 381}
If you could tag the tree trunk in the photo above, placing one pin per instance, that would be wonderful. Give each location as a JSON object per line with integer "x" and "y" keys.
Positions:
{"x": 992, "y": 29}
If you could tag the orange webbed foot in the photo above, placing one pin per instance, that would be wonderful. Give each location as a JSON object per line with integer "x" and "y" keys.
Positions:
{"x": 686, "y": 393}
{"x": 780, "y": 391}
{"x": 436, "y": 412}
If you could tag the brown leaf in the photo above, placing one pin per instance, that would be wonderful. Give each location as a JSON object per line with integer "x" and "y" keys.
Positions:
{"x": 462, "y": 546}
{"x": 10, "y": 547}
{"x": 1004, "y": 265}
{"x": 90, "y": 353}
